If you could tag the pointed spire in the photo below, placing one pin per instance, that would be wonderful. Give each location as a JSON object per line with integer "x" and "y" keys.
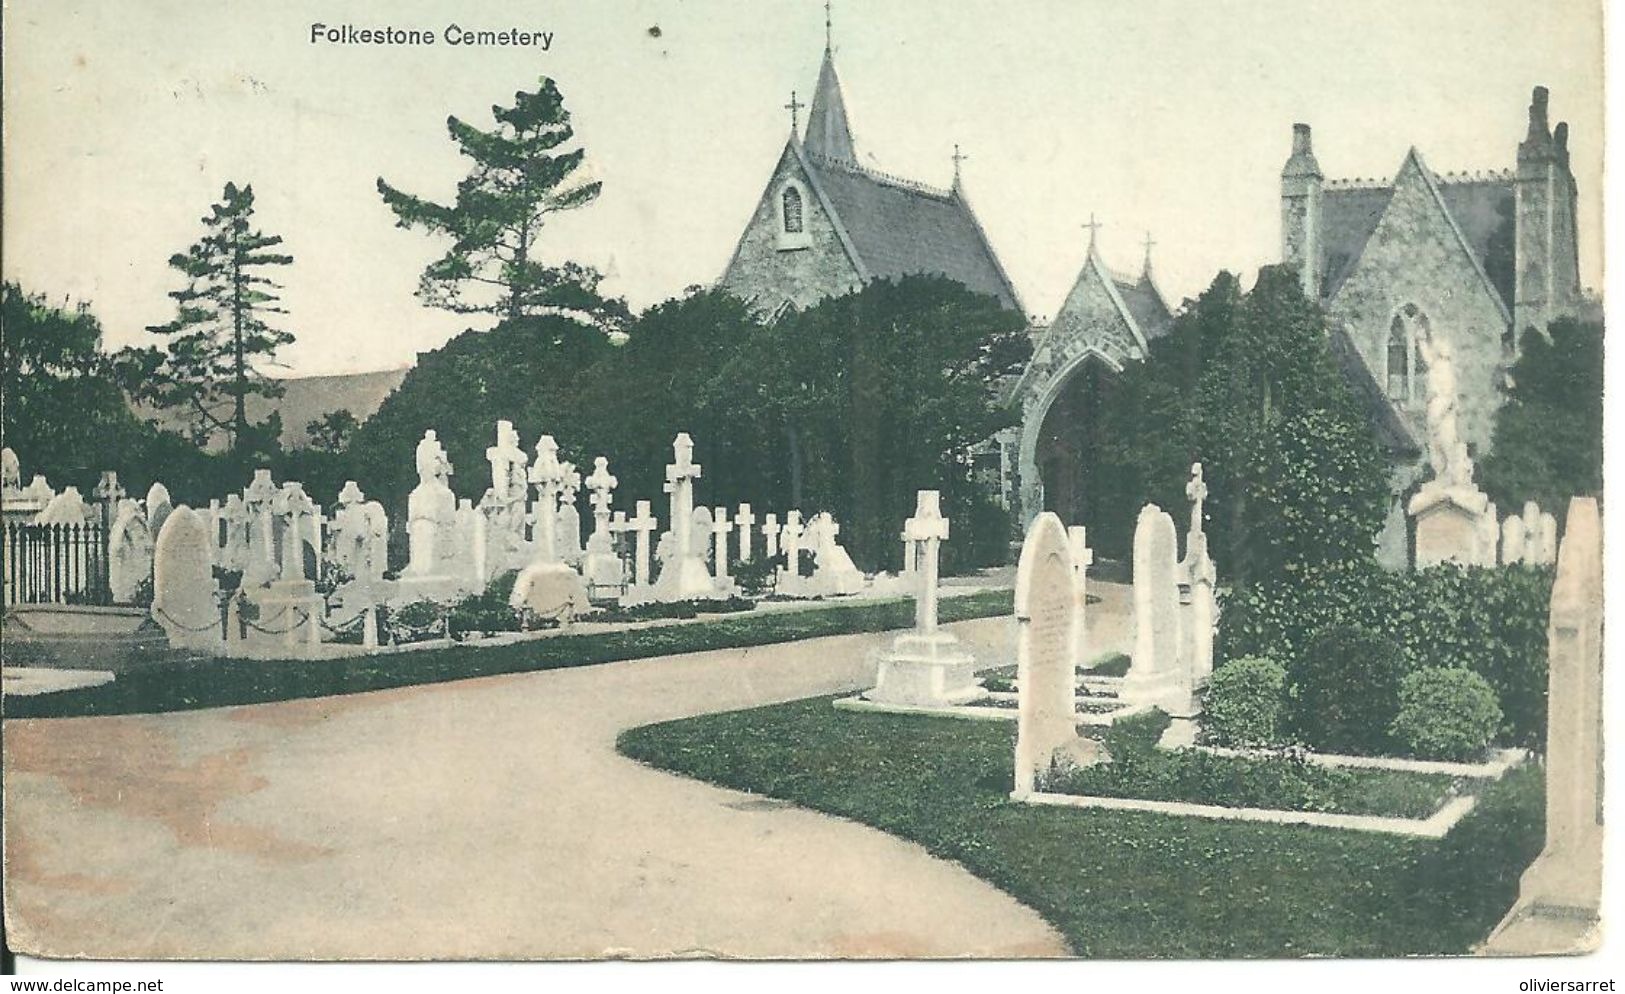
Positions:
{"x": 828, "y": 133}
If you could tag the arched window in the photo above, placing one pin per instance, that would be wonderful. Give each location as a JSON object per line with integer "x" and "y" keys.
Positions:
{"x": 792, "y": 211}
{"x": 1399, "y": 360}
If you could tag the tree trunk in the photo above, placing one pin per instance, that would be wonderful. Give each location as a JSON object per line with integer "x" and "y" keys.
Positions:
{"x": 239, "y": 418}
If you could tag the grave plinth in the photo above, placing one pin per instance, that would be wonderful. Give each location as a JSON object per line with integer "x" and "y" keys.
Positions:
{"x": 1449, "y": 524}
{"x": 926, "y": 667}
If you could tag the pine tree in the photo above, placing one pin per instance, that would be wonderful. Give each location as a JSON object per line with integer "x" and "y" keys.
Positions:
{"x": 519, "y": 177}
{"x": 219, "y": 339}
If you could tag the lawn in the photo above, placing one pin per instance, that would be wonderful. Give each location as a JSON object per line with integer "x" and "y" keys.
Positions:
{"x": 1122, "y": 884}
{"x": 218, "y": 682}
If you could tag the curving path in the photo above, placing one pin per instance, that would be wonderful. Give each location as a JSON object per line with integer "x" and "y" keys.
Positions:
{"x": 487, "y": 818}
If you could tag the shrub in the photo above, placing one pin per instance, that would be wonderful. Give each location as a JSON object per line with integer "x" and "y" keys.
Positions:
{"x": 1490, "y": 621}
{"x": 487, "y": 611}
{"x": 417, "y": 621}
{"x": 1344, "y": 691}
{"x": 1446, "y": 714}
{"x": 1242, "y": 706}
{"x": 1132, "y": 740}
{"x": 757, "y": 577}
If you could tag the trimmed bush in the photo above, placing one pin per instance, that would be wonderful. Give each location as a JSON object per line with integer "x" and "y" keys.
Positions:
{"x": 487, "y": 611}
{"x": 1344, "y": 691}
{"x": 1133, "y": 740}
{"x": 1490, "y": 621}
{"x": 1446, "y": 714}
{"x": 1243, "y": 703}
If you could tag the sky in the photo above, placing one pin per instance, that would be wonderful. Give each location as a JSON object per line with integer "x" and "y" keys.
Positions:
{"x": 124, "y": 119}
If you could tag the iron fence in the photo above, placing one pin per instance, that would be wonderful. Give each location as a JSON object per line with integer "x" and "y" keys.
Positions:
{"x": 55, "y": 564}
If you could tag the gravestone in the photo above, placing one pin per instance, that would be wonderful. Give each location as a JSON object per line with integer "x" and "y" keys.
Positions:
{"x": 569, "y": 519}
{"x": 683, "y": 576}
{"x": 129, "y": 545}
{"x": 790, "y": 581}
{"x": 721, "y": 527}
{"x": 1447, "y": 524}
{"x": 158, "y": 506}
{"x": 744, "y": 520}
{"x": 1548, "y": 538}
{"x": 770, "y": 535}
{"x": 1512, "y": 541}
{"x": 1154, "y": 675}
{"x": 1046, "y": 618}
{"x": 834, "y": 573}
{"x": 260, "y": 564}
{"x": 926, "y": 667}
{"x": 184, "y": 593}
{"x": 548, "y": 587}
{"x": 1489, "y": 536}
{"x": 290, "y": 606}
{"x": 1560, "y": 893}
{"x": 602, "y": 566}
{"x": 66, "y": 508}
{"x": 701, "y": 526}
{"x": 641, "y": 526}
{"x": 431, "y": 519}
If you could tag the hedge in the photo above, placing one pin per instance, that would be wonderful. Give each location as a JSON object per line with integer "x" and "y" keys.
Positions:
{"x": 1491, "y": 621}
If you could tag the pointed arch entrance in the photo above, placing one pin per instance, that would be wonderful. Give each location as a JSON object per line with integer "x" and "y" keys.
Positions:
{"x": 1062, "y": 435}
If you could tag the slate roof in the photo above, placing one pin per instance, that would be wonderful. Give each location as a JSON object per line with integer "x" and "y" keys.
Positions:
{"x": 1349, "y": 214}
{"x": 898, "y": 228}
{"x": 1144, "y": 302}
{"x": 829, "y": 134}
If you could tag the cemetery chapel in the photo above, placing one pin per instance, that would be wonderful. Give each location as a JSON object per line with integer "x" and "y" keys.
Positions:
{"x": 1402, "y": 267}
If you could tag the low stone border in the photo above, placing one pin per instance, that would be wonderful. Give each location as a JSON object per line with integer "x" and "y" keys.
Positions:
{"x": 1095, "y": 718}
{"x": 1493, "y": 769}
{"x": 1435, "y": 826}
{"x": 28, "y": 681}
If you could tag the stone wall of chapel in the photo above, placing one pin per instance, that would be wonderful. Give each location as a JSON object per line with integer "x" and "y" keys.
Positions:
{"x": 1414, "y": 257}
{"x": 764, "y": 271}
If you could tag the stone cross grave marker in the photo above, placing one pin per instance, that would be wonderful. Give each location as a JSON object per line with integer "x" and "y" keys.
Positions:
{"x": 790, "y": 537}
{"x": 260, "y": 567}
{"x": 720, "y": 527}
{"x": 641, "y": 525}
{"x": 1196, "y": 490}
{"x": 680, "y": 476}
{"x": 744, "y": 519}
{"x": 507, "y": 459}
{"x": 547, "y": 474}
{"x": 1046, "y": 615}
{"x": 925, "y": 532}
{"x": 770, "y": 535}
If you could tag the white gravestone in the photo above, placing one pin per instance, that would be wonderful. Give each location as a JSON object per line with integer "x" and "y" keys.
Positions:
{"x": 1512, "y": 541}
{"x": 548, "y": 588}
{"x": 184, "y": 598}
{"x": 602, "y": 566}
{"x": 260, "y": 566}
{"x": 770, "y": 535}
{"x": 684, "y": 577}
{"x": 1153, "y": 676}
{"x": 926, "y": 667}
{"x": 1560, "y": 894}
{"x": 158, "y": 506}
{"x": 641, "y": 526}
{"x": 721, "y": 526}
{"x": 1489, "y": 536}
{"x": 290, "y": 606}
{"x": 834, "y": 573}
{"x": 1548, "y": 538}
{"x": 504, "y": 504}
{"x": 699, "y": 533}
{"x": 790, "y": 581}
{"x": 129, "y": 562}
{"x": 744, "y": 520}
{"x": 1046, "y": 619}
{"x": 431, "y": 511}
{"x": 569, "y": 519}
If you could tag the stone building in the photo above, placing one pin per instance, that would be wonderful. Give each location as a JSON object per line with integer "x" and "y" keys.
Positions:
{"x": 825, "y": 224}
{"x": 1465, "y": 262}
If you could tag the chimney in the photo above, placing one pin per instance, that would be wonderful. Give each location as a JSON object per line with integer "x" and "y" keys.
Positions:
{"x": 1301, "y": 183}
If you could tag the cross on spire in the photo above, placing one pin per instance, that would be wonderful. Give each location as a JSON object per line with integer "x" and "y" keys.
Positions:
{"x": 1149, "y": 244}
{"x": 1094, "y": 228}
{"x": 793, "y": 106}
{"x": 958, "y": 157}
{"x": 829, "y": 28}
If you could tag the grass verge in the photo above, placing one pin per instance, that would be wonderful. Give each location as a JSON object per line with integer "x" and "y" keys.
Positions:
{"x": 219, "y": 682}
{"x": 1122, "y": 884}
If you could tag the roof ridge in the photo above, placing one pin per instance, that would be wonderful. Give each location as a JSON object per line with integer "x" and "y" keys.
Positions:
{"x": 1414, "y": 157}
{"x": 1360, "y": 183}
{"x": 879, "y": 176}
{"x": 1476, "y": 176}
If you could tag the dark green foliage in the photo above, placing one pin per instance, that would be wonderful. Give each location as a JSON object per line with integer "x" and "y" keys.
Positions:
{"x": 417, "y": 621}
{"x": 331, "y": 432}
{"x": 1446, "y": 714}
{"x": 523, "y": 172}
{"x": 1548, "y": 435}
{"x": 1121, "y": 884}
{"x": 757, "y": 577}
{"x": 1246, "y": 385}
{"x": 1285, "y": 782}
{"x": 1110, "y": 664}
{"x": 219, "y": 341}
{"x": 1490, "y": 621}
{"x": 63, "y": 413}
{"x": 1344, "y": 691}
{"x": 672, "y": 609}
{"x": 216, "y": 682}
{"x": 486, "y": 611}
{"x": 462, "y": 389}
{"x": 1132, "y": 741}
{"x": 1243, "y": 703}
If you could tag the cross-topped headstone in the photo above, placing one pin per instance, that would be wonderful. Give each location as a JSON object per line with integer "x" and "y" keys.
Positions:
{"x": 507, "y": 461}
{"x": 108, "y": 492}
{"x": 1196, "y": 490}
{"x": 547, "y": 473}
{"x": 744, "y": 519}
{"x": 680, "y": 476}
{"x": 642, "y": 524}
{"x": 720, "y": 527}
{"x": 791, "y": 536}
{"x": 926, "y": 531}
{"x": 293, "y": 503}
{"x": 770, "y": 534}
{"x": 602, "y": 485}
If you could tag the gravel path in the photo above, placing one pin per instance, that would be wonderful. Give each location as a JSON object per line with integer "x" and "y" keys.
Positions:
{"x": 486, "y": 818}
